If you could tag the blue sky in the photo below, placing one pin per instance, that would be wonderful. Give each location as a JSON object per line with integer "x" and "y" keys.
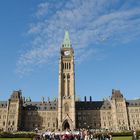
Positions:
{"x": 105, "y": 35}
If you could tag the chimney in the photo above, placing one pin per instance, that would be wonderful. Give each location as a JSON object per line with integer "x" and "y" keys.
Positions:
{"x": 85, "y": 98}
{"x": 23, "y": 99}
{"x": 43, "y": 100}
{"x": 48, "y": 99}
{"x": 90, "y": 98}
{"x": 113, "y": 91}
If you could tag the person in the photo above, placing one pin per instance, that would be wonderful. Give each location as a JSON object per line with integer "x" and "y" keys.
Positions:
{"x": 87, "y": 137}
{"x": 81, "y": 134}
{"x": 102, "y": 137}
{"x": 110, "y": 137}
{"x": 36, "y": 130}
{"x": 134, "y": 136}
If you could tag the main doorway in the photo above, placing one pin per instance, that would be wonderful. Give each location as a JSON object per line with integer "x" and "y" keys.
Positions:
{"x": 66, "y": 125}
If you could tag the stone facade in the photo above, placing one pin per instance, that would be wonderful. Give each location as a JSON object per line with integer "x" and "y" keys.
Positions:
{"x": 114, "y": 113}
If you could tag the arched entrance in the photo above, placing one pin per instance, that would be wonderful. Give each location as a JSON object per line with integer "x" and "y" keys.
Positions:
{"x": 66, "y": 125}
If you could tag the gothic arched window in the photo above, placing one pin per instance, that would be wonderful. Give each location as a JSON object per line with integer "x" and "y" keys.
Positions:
{"x": 66, "y": 107}
{"x": 68, "y": 76}
{"x": 13, "y": 123}
{"x": 9, "y": 123}
{"x": 69, "y": 66}
{"x": 4, "y": 123}
{"x": 64, "y": 76}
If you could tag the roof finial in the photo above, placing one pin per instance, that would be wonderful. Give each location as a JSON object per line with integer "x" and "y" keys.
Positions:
{"x": 66, "y": 41}
{"x": 67, "y": 27}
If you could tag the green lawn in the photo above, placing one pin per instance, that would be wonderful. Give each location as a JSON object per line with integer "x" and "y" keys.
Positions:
{"x": 122, "y": 138}
{"x": 15, "y": 138}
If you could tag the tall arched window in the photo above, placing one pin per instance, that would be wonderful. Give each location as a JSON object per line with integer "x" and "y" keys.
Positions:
{"x": 63, "y": 87}
{"x": 68, "y": 84}
{"x": 64, "y": 76}
{"x": 62, "y": 66}
{"x": 66, "y": 107}
{"x": 69, "y": 66}
{"x": 13, "y": 123}
{"x": 4, "y": 123}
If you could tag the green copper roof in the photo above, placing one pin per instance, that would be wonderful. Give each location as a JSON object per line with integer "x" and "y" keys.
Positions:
{"x": 66, "y": 41}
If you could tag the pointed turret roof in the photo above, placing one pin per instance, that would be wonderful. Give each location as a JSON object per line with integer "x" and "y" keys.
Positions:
{"x": 66, "y": 41}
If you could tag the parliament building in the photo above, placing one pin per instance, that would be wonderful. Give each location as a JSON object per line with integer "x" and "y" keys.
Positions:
{"x": 114, "y": 113}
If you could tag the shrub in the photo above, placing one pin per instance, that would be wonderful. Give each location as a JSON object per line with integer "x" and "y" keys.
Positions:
{"x": 17, "y": 134}
{"x": 127, "y": 133}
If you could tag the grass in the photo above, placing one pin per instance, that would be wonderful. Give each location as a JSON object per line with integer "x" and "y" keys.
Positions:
{"x": 122, "y": 138}
{"x": 15, "y": 138}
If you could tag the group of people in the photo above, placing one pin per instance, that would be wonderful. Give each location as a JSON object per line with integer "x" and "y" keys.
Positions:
{"x": 81, "y": 134}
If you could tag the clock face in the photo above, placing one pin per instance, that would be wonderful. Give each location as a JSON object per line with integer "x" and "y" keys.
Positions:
{"x": 66, "y": 53}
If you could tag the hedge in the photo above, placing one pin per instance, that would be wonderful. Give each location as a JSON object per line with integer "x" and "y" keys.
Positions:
{"x": 17, "y": 135}
{"x": 127, "y": 133}
{"x": 116, "y": 134}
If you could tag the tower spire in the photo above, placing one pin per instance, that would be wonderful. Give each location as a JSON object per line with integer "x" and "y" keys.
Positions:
{"x": 66, "y": 92}
{"x": 66, "y": 41}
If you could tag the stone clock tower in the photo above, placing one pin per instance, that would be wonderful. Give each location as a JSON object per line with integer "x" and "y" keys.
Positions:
{"x": 66, "y": 97}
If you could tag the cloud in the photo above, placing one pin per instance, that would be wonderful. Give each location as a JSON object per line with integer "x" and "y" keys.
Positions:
{"x": 42, "y": 9}
{"x": 91, "y": 23}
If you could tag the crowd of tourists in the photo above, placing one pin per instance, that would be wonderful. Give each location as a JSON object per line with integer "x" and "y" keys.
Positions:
{"x": 81, "y": 134}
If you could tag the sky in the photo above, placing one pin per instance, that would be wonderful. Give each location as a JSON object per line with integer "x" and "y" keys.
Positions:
{"x": 105, "y": 36}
